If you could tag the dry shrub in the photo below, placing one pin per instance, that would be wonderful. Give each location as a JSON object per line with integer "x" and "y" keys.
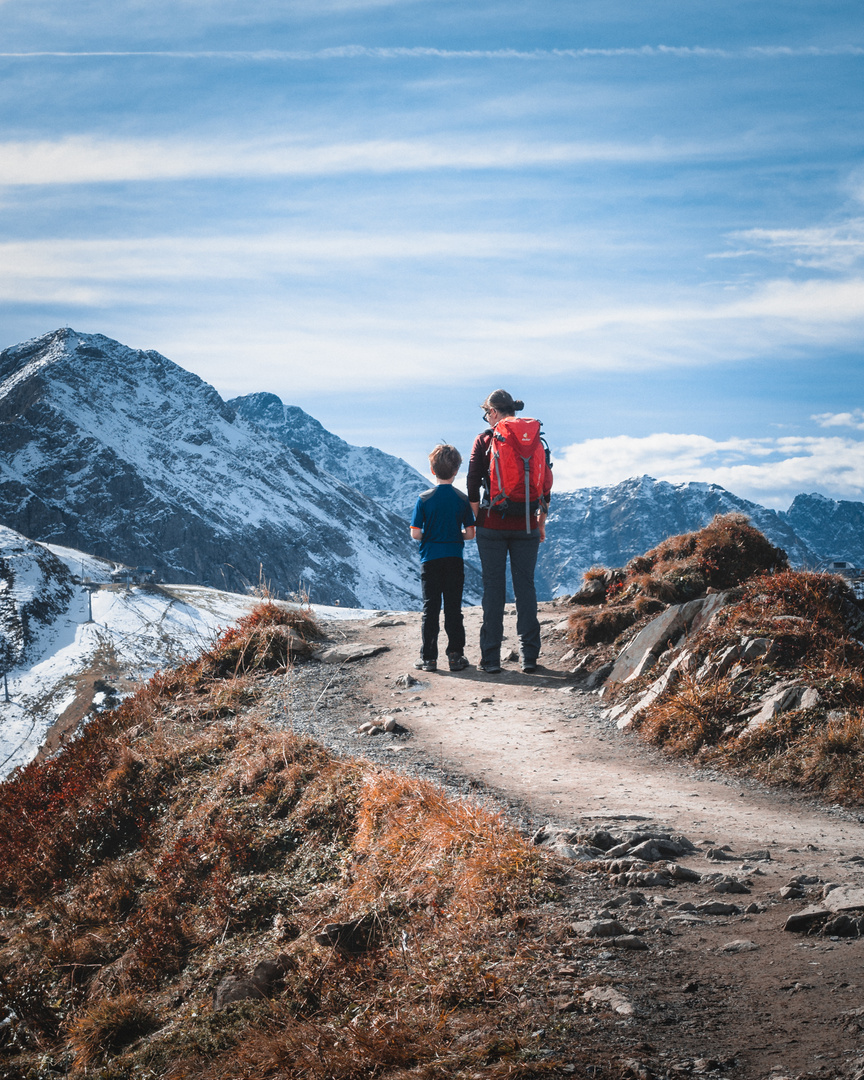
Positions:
{"x": 97, "y": 798}
{"x": 441, "y": 879}
{"x": 305, "y": 1049}
{"x": 725, "y": 553}
{"x": 646, "y": 605}
{"x": 595, "y": 573}
{"x": 109, "y": 1026}
{"x": 693, "y": 716}
{"x": 601, "y": 625}
{"x": 175, "y": 832}
{"x": 416, "y": 841}
{"x": 804, "y": 750}
{"x": 811, "y": 620}
{"x": 264, "y": 640}
{"x": 657, "y": 588}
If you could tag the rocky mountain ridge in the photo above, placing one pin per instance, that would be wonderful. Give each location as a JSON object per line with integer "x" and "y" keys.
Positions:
{"x": 387, "y": 479}
{"x": 123, "y": 454}
{"x": 611, "y": 525}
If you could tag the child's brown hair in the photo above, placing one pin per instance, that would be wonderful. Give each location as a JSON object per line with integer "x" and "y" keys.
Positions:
{"x": 444, "y": 461}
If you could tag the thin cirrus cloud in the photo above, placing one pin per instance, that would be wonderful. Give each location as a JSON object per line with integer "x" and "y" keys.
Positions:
{"x": 794, "y": 309}
{"x": 834, "y": 247}
{"x": 349, "y": 52}
{"x": 230, "y": 258}
{"x": 83, "y": 160}
{"x": 770, "y": 471}
{"x": 478, "y": 329}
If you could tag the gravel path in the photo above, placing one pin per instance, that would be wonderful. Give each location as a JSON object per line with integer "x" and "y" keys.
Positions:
{"x": 782, "y": 1004}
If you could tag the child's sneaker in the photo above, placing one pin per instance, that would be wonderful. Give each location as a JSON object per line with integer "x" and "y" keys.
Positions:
{"x": 426, "y": 665}
{"x": 457, "y": 663}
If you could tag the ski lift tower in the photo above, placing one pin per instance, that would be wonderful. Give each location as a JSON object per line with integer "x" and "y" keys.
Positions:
{"x": 91, "y": 587}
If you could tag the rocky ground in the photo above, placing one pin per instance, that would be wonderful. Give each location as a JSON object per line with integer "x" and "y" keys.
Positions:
{"x": 680, "y": 958}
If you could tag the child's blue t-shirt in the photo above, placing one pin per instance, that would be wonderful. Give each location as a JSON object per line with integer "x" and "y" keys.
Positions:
{"x": 440, "y": 513}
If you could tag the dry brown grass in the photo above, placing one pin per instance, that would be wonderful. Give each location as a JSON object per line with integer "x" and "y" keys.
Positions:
{"x": 727, "y": 552}
{"x": 170, "y": 841}
{"x": 692, "y": 717}
{"x": 598, "y": 626}
{"x": 807, "y": 619}
{"x": 107, "y": 1027}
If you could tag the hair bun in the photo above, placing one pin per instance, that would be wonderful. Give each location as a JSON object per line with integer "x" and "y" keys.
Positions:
{"x": 518, "y": 405}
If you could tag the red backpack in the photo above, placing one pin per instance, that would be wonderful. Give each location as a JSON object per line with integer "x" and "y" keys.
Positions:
{"x": 519, "y": 469}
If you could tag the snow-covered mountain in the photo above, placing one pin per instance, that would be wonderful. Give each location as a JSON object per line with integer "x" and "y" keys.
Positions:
{"x": 833, "y": 529}
{"x": 388, "y": 480}
{"x": 610, "y": 525}
{"x": 61, "y": 665}
{"x": 123, "y": 454}
{"x": 35, "y": 587}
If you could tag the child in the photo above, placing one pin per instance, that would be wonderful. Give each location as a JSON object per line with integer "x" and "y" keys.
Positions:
{"x": 442, "y": 521}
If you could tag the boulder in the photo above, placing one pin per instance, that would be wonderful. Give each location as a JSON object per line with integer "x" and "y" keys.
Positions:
{"x": 781, "y": 698}
{"x": 600, "y": 928}
{"x": 234, "y": 988}
{"x": 671, "y": 624}
{"x": 738, "y": 946}
{"x": 717, "y": 907}
{"x": 755, "y": 648}
{"x": 611, "y": 998}
{"x": 801, "y": 921}
{"x": 592, "y": 592}
{"x": 629, "y": 941}
{"x": 353, "y": 938}
{"x": 579, "y": 852}
{"x": 259, "y": 985}
{"x": 842, "y": 926}
{"x": 730, "y": 885}
{"x": 844, "y": 898}
{"x": 627, "y": 712}
{"x": 343, "y": 654}
{"x": 655, "y": 849}
{"x": 598, "y": 676}
{"x": 682, "y": 873}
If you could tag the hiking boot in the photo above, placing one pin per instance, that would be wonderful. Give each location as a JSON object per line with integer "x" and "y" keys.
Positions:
{"x": 529, "y": 666}
{"x": 491, "y": 667}
{"x": 457, "y": 663}
{"x": 426, "y": 665}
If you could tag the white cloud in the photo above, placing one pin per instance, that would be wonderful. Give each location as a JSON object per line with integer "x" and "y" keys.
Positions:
{"x": 853, "y": 419}
{"x": 87, "y": 160}
{"x": 299, "y": 292}
{"x": 399, "y": 52}
{"x": 835, "y": 247}
{"x": 768, "y": 471}
{"x": 232, "y": 258}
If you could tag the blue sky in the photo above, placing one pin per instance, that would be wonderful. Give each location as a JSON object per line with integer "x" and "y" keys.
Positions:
{"x": 647, "y": 221}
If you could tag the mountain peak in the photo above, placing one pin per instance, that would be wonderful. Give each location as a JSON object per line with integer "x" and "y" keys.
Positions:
{"x": 385, "y": 478}
{"x": 130, "y": 457}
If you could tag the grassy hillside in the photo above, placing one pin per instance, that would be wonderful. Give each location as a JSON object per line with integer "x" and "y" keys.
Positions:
{"x": 368, "y": 924}
{"x": 772, "y": 686}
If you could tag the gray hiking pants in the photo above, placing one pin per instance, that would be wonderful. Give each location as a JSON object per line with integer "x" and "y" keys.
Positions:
{"x": 494, "y": 545}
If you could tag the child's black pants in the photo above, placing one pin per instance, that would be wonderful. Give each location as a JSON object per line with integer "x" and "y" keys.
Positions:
{"x": 442, "y": 579}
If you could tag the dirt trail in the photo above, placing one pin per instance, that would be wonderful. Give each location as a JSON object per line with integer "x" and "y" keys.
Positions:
{"x": 785, "y": 1005}
{"x": 533, "y": 737}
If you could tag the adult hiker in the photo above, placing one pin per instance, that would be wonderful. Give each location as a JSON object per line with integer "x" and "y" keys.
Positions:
{"x": 509, "y": 460}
